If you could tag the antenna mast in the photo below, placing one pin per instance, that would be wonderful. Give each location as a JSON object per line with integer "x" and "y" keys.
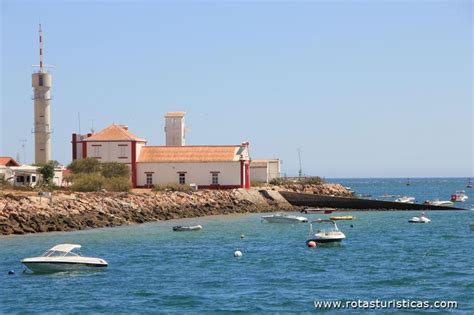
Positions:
{"x": 300, "y": 173}
{"x": 41, "y": 49}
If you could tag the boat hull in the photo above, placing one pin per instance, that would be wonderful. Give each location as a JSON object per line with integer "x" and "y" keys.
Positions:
{"x": 325, "y": 240}
{"x": 418, "y": 220}
{"x": 51, "y": 267}
{"x": 187, "y": 228}
{"x": 284, "y": 220}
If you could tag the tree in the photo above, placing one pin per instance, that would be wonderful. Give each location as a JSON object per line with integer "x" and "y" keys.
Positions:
{"x": 87, "y": 165}
{"x": 47, "y": 172}
{"x": 114, "y": 169}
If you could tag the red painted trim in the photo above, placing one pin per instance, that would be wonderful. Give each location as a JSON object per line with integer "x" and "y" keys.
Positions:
{"x": 213, "y": 187}
{"x": 247, "y": 174}
{"x": 242, "y": 174}
{"x": 105, "y": 140}
{"x": 134, "y": 163}
{"x": 218, "y": 187}
{"x": 74, "y": 147}
{"x": 84, "y": 150}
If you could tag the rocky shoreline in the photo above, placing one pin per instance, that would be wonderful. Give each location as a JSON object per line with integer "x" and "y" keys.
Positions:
{"x": 23, "y": 212}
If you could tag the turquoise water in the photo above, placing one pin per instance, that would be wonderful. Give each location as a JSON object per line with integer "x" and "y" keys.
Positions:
{"x": 153, "y": 269}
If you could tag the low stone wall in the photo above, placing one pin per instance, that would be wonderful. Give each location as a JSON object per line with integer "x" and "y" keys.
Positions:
{"x": 27, "y": 213}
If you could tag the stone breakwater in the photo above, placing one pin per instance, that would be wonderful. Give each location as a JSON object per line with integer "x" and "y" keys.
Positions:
{"x": 335, "y": 190}
{"x": 22, "y": 212}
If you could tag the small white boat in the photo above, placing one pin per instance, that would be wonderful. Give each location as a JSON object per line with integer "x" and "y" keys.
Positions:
{"x": 62, "y": 258}
{"x": 284, "y": 218}
{"x": 328, "y": 235}
{"x": 180, "y": 228}
{"x": 459, "y": 196}
{"x": 437, "y": 202}
{"x": 317, "y": 210}
{"x": 405, "y": 199}
{"x": 421, "y": 219}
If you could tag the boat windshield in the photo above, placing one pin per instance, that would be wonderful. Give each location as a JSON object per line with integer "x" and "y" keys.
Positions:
{"x": 55, "y": 253}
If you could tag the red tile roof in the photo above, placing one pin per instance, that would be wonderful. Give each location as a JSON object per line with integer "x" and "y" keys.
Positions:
{"x": 116, "y": 133}
{"x": 163, "y": 154}
{"x": 8, "y": 161}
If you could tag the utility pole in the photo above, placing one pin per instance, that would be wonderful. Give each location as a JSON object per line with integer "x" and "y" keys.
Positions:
{"x": 23, "y": 146}
{"x": 300, "y": 173}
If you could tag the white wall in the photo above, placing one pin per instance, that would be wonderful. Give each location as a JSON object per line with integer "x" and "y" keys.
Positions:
{"x": 110, "y": 151}
{"x": 258, "y": 174}
{"x": 198, "y": 173}
{"x": 273, "y": 169}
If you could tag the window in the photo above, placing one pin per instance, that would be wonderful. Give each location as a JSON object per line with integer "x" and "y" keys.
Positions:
{"x": 33, "y": 179}
{"x": 96, "y": 151}
{"x": 182, "y": 178}
{"x": 149, "y": 179}
{"x": 215, "y": 178}
{"x": 123, "y": 150}
{"x": 40, "y": 80}
{"x": 20, "y": 179}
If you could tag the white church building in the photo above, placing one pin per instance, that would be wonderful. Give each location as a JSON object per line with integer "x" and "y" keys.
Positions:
{"x": 207, "y": 166}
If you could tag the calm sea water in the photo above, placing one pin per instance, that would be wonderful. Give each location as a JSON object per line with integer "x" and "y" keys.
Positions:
{"x": 153, "y": 269}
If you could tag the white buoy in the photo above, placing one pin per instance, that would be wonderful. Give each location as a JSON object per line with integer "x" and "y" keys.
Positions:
{"x": 237, "y": 253}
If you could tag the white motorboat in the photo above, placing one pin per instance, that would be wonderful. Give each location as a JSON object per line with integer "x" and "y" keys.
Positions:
{"x": 180, "y": 228}
{"x": 284, "y": 218}
{"x": 459, "y": 196}
{"x": 326, "y": 235}
{"x": 405, "y": 199}
{"x": 421, "y": 219}
{"x": 62, "y": 258}
{"x": 437, "y": 202}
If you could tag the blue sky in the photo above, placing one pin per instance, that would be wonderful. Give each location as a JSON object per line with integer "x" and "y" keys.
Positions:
{"x": 364, "y": 89}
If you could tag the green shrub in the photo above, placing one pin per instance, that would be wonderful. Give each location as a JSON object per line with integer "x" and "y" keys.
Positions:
{"x": 278, "y": 181}
{"x": 313, "y": 180}
{"x": 88, "y": 182}
{"x": 117, "y": 184}
{"x": 87, "y": 165}
{"x": 114, "y": 169}
{"x": 173, "y": 187}
{"x": 258, "y": 184}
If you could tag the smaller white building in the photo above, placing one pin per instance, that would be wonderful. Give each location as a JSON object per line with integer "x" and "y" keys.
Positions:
{"x": 264, "y": 171}
{"x": 214, "y": 167}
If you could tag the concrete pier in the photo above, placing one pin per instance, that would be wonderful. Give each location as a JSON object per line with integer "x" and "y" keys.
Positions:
{"x": 317, "y": 201}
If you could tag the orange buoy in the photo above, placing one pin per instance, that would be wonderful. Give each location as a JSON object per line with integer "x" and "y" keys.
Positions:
{"x": 312, "y": 244}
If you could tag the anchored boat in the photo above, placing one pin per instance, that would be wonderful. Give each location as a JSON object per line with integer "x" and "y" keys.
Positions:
{"x": 330, "y": 234}
{"x": 180, "y": 228}
{"x": 62, "y": 258}
{"x": 459, "y": 196}
{"x": 284, "y": 218}
{"x": 421, "y": 219}
{"x": 437, "y": 202}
